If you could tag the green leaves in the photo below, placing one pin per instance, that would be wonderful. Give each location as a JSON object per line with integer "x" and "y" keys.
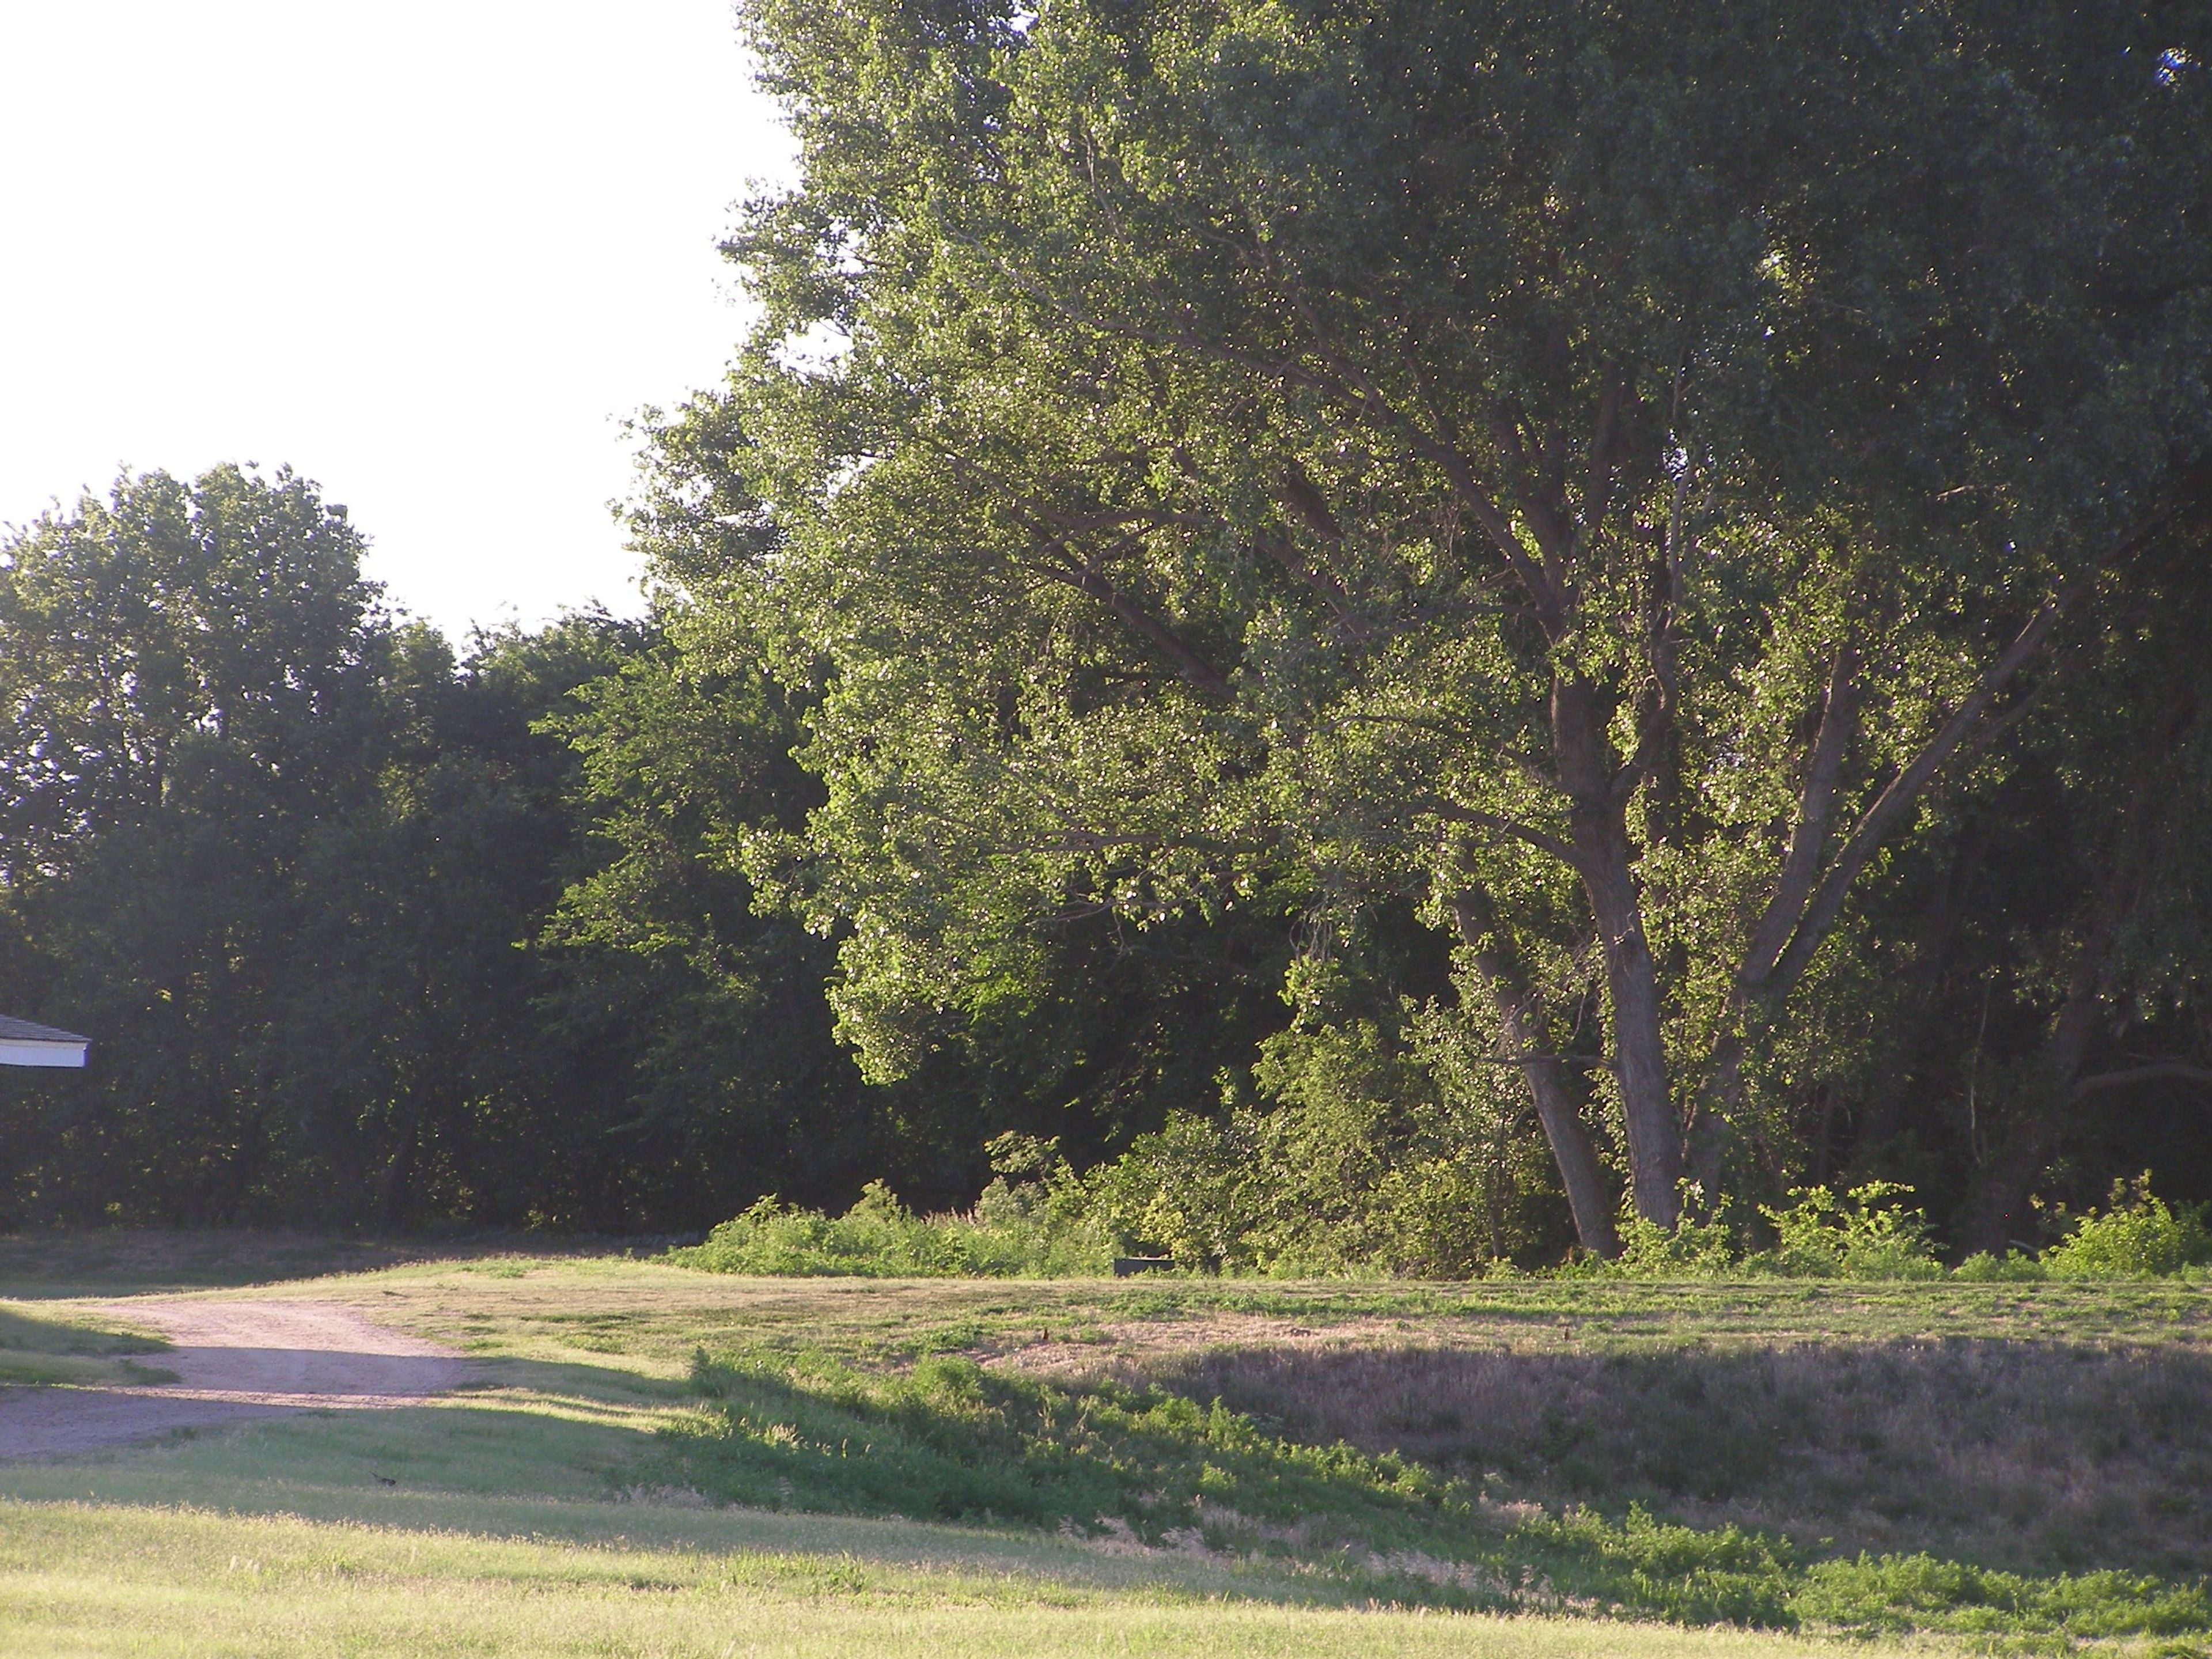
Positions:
{"x": 1376, "y": 452}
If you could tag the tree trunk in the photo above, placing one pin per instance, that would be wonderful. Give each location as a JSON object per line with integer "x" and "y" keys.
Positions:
{"x": 1520, "y": 1024}
{"x": 1589, "y": 772}
{"x": 1707, "y": 1154}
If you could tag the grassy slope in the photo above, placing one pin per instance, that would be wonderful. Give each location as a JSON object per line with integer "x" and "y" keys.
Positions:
{"x": 534, "y": 1512}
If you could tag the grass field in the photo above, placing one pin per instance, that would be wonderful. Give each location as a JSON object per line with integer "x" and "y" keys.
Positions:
{"x": 652, "y": 1461}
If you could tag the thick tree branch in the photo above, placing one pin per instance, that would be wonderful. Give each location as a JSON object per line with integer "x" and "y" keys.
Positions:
{"x": 1320, "y": 583}
{"x": 1597, "y": 492}
{"x": 1453, "y": 812}
{"x": 1801, "y": 862}
{"x": 1545, "y": 513}
{"x": 1069, "y": 570}
{"x": 1890, "y": 807}
{"x": 1519, "y": 1013}
{"x": 1299, "y": 494}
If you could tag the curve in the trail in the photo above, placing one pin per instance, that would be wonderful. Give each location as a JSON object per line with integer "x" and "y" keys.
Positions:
{"x": 234, "y": 1361}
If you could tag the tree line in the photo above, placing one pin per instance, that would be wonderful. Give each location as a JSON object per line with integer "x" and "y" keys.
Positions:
{"x": 1517, "y": 615}
{"x": 370, "y": 931}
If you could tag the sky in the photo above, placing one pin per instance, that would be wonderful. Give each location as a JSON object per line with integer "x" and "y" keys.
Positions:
{"x": 431, "y": 255}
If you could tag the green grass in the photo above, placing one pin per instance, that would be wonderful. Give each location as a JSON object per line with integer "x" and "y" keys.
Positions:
{"x": 117, "y": 1580}
{"x": 654, "y": 1315}
{"x": 1519, "y": 1466}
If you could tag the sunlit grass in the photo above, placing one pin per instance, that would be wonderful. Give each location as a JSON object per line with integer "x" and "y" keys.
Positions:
{"x": 127, "y": 1580}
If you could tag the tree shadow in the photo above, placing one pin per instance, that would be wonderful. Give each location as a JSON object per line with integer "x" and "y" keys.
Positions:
{"x": 508, "y": 1427}
{"x": 31, "y": 1332}
{"x": 61, "y": 1262}
{"x": 2029, "y": 1456}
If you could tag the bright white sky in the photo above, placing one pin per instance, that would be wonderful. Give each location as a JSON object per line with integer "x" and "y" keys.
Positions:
{"x": 430, "y": 252}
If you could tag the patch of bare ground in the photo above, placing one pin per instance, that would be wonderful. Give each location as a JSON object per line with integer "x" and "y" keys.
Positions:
{"x": 2026, "y": 1455}
{"x": 231, "y": 1362}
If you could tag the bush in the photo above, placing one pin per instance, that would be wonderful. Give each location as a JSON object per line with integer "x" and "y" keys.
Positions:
{"x": 1368, "y": 1154}
{"x": 2013, "y": 1267}
{"x": 2138, "y": 1236}
{"x": 1025, "y": 1229}
{"x": 1332, "y": 1182}
{"x": 1866, "y": 1234}
{"x": 1691, "y": 1249}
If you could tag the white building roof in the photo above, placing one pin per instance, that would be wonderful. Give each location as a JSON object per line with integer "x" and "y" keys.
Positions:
{"x": 25, "y": 1043}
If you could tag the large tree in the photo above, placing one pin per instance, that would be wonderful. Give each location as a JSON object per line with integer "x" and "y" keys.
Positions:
{"x": 1597, "y": 470}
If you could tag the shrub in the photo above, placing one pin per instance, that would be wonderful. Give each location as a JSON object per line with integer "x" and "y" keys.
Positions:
{"x": 1691, "y": 1249}
{"x": 1364, "y": 1155}
{"x": 1334, "y": 1182}
{"x": 2137, "y": 1236}
{"x": 1868, "y": 1233}
{"x": 2013, "y": 1267}
{"x": 1016, "y": 1229}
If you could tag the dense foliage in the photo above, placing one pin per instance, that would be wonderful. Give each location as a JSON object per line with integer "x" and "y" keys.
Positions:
{"x": 1706, "y": 513}
{"x": 291, "y": 864}
{"x": 1421, "y": 633}
{"x": 1600, "y": 475}
{"x": 366, "y": 933}
{"x": 1258, "y": 1219}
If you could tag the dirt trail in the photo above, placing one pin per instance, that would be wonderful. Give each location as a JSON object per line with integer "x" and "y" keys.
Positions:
{"x": 234, "y": 1361}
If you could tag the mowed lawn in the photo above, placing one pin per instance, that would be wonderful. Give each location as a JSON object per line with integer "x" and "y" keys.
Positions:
{"x": 645, "y": 1461}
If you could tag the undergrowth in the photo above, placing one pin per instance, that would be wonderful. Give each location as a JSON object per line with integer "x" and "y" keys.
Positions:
{"x": 1048, "y": 1222}
{"x": 1010, "y": 1234}
{"x": 1135, "y": 1469}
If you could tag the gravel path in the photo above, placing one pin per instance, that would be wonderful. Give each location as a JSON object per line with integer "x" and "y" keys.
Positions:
{"x": 234, "y": 1361}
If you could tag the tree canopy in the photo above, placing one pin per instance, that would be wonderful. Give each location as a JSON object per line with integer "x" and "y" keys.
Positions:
{"x": 1598, "y": 473}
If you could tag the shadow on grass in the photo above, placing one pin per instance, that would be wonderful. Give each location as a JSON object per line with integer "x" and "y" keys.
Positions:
{"x": 153, "y": 1260}
{"x": 36, "y": 1350}
{"x": 570, "y": 1453}
{"x": 1102, "y": 1484}
{"x": 528, "y": 1430}
{"x": 2024, "y": 1455}
{"x": 27, "y": 1333}
{"x": 1147, "y": 1470}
